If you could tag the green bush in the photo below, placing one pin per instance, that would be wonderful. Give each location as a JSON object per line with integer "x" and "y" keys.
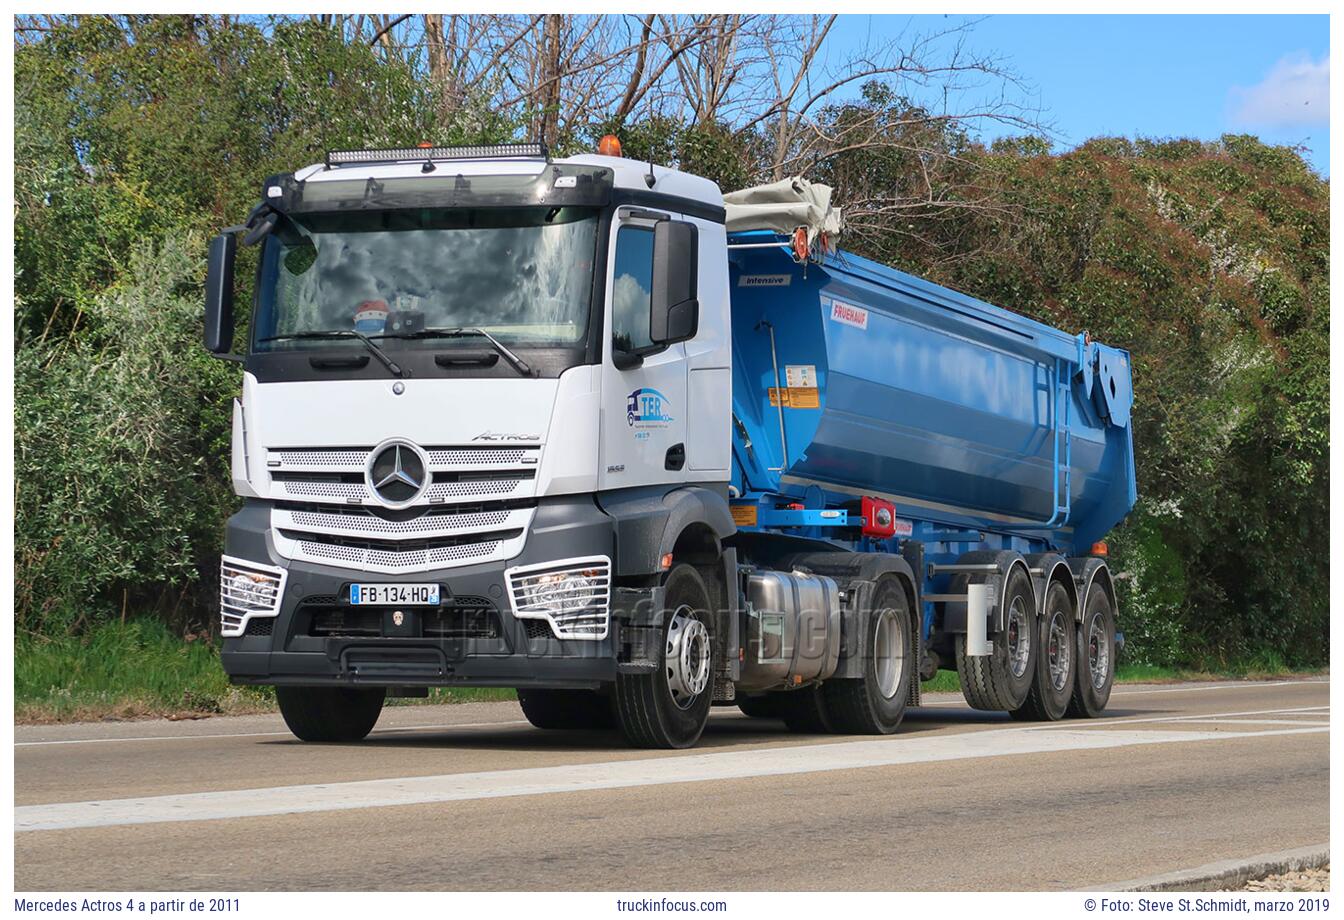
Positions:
{"x": 121, "y": 451}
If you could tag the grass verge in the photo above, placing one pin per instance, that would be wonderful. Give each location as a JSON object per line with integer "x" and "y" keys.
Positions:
{"x": 140, "y": 669}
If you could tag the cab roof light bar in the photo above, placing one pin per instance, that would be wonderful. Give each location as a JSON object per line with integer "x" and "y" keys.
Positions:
{"x": 421, "y": 154}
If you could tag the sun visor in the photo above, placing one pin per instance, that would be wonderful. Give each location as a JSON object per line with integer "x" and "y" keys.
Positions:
{"x": 557, "y": 185}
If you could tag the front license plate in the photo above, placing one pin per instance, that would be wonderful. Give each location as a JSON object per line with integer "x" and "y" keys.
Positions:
{"x": 395, "y": 595}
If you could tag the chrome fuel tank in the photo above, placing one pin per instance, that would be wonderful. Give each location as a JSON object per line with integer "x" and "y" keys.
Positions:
{"x": 793, "y": 630}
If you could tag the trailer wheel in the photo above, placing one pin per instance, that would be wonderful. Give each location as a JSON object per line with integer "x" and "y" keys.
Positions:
{"x": 326, "y": 714}
{"x": 1056, "y": 659}
{"x": 668, "y": 707}
{"x": 1096, "y": 657}
{"x": 874, "y": 704}
{"x": 804, "y": 711}
{"x": 758, "y": 705}
{"x": 1000, "y": 681}
{"x": 566, "y": 709}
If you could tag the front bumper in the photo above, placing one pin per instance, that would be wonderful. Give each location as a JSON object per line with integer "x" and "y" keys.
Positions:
{"x": 471, "y": 639}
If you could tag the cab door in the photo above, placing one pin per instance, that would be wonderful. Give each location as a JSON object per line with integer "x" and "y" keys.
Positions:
{"x": 643, "y": 437}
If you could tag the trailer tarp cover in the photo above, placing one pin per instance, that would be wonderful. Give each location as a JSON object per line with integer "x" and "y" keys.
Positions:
{"x": 783, "y": 207}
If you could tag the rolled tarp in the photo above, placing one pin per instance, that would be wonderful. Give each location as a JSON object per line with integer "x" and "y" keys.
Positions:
{"x": 784, "y": 206}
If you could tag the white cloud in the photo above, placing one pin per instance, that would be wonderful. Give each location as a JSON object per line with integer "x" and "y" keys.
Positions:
{"x": 1295, "y": 93}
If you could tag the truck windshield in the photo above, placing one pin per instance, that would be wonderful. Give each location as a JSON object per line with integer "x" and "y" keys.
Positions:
{"x": 524, "y": 275}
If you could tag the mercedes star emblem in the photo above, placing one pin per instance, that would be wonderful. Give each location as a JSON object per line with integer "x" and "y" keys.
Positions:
{"x": 397, "y": 473}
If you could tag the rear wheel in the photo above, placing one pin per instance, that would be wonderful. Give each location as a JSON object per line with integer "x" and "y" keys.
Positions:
{"x": 668, "y": 706}
{"x": 1001, "y": 680}
{"x": 1096, "y": 657}
{"x": 874, "y": 704}
{"x": 326, "y": 714}
{"x": 1051, "y": 690}
{"x": 566, "y": 709}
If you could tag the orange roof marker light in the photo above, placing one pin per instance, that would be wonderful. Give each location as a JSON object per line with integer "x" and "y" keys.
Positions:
{"x": 609, "y": 146}
{"x": 424, "y": 145}
{"x": 1100, "y": 549}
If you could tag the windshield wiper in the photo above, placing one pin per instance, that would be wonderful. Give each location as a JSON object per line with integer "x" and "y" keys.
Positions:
{"x": 518, "y": 363}
{"x": 377, "y": 352}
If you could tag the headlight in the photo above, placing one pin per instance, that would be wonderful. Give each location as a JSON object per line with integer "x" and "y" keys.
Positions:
{"x": 247, "y": 590}
{"x": 572, "y": 594}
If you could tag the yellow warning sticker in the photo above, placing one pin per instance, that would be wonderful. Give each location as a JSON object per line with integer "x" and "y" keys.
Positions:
{"x": 804, "y": 398}
{"x": 797, "y": 397}
{"x": 744, "y": 515}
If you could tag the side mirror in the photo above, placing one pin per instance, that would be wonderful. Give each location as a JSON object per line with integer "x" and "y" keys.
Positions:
{"x": 219, "y": 295}
{"x": 674, "y": 312}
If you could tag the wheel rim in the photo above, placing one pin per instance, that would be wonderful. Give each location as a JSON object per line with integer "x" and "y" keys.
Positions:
{"x": 1058, "y": 651}
{"x": 687, "y": 657}
{"x": 1098, "y": 653}
{"x": 888, "y": 653}
{"x": 1018, "y": 638}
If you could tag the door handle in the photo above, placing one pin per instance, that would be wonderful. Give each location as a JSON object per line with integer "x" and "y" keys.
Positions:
{"x": 676, "y": 457}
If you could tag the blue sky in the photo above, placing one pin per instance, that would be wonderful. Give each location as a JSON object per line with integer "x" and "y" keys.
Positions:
{"x": 1150, "y": 75}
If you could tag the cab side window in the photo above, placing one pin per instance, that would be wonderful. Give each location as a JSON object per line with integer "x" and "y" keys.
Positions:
{"x": 632, "y": 288}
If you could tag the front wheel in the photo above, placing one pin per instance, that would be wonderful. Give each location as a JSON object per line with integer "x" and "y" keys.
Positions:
{"x": 669, "y": 706}
{"x": 874, "y": 704}
{"x": 327, "y": 714}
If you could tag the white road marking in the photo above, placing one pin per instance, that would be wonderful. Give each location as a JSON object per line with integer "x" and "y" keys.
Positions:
{"x": 1188, "y": 717}
{"x": 1239, "y": 686}
{"x": 384, "y": 793}
{"x": 1251, "y": 722}
{"x": 442, "y": 726}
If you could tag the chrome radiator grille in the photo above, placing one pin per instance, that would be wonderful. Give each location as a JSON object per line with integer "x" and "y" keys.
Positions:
{"x": 475, "y": 508}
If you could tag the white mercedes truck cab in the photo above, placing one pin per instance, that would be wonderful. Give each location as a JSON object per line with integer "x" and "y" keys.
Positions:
{"x": 483, "y": 437}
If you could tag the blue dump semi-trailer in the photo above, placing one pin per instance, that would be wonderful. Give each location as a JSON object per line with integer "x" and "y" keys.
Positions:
{"x": 637, "y": 449}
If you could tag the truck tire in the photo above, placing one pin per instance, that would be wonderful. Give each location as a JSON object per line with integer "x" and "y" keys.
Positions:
{"x": 804, "y": 711}
{"x": 669, "y": 706}
{"x": 1000, "y": 681}
{"x": 874, "y": 704}
{"x": 1096, "y": 657}
{"x": 758, "y": 705}
{"x": 575, "y": 710}
{"x": 326, "y": 714}
{"x": 1056, "y": 659}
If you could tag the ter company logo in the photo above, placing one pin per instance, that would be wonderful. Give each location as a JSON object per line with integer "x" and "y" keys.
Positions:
{"x": 647, "y": 408}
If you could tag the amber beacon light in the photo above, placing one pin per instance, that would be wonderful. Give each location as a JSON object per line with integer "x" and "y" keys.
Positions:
{"x": 609, "y": 146}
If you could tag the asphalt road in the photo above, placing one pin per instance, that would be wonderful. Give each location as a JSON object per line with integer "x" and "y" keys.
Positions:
{"x": 470, "y": 797}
